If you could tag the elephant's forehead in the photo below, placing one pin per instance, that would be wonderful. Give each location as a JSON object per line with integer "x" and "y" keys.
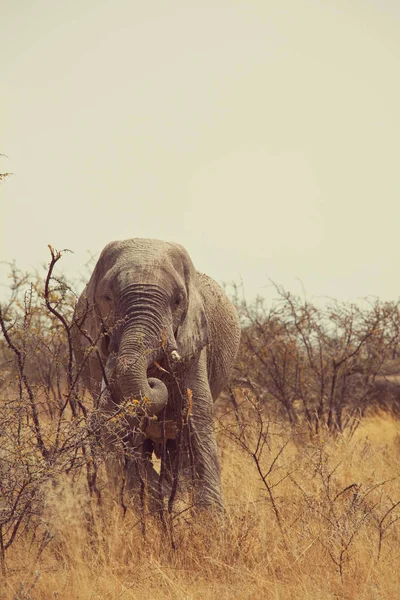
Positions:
{"x": 152, "y": 273}
{"x": 142, "y": 261}
{"x": 141, "y": 254}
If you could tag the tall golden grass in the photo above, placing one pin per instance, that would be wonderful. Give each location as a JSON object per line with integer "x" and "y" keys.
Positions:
{"x": 330, "y": 533}
{"x": 312, "y": 500}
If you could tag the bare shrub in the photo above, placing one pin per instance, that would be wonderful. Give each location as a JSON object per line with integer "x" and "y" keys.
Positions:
{"x": 37, "y": 332}
{"x": 4, "y": 175}
{"x": 306, "y": 488}
{"x": 43, "y": 428}
{"x": 318, "y": 366}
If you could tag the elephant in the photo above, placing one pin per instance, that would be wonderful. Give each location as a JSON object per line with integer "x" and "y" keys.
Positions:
{"x": 155, "y": 342}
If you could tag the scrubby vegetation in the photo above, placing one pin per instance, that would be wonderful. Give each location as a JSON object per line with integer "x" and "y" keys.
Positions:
{"x": 310, "y": 454}
{"x": 322, "y": 367}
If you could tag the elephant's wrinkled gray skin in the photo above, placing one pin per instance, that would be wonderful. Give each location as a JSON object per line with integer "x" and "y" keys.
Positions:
{"x": 158, "y": 315}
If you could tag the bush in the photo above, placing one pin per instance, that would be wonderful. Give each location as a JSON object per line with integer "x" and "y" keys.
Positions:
{"x": 319, "y": 366}
{"x": 43, "y": 419}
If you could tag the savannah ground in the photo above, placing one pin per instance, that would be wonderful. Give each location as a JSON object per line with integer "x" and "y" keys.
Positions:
{"x": 332, "y": 533}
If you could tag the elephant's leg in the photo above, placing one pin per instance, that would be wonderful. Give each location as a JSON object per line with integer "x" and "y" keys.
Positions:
{"x": 202, "y": 439}
{"x": 142, "y": 480}
{"x": 131, "y": 475}
{"x": 168, "y": 465}
{"x": 175, "y": 467}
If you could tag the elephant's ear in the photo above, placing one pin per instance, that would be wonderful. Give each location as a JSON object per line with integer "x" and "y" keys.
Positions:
{"x": 87, "y": 314}
{"x": 79, "y": 342}
{"x": 86, "y": 318}
{"x": 86, "y": 326}
{"x": 192, "y": 334}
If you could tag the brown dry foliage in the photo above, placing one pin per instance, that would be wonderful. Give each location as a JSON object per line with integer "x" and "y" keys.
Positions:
{"x": 338, "y": 535}
{"x": 324, "y": 367}
{"x": 312, "y": 500}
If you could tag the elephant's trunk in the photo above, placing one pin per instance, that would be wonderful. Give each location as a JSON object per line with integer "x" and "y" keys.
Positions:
{"x": 131, "y": 382}
{"x": 136, "y": 343}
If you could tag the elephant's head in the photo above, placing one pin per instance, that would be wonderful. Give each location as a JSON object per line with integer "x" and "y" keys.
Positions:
{"x": 144, "y": 297}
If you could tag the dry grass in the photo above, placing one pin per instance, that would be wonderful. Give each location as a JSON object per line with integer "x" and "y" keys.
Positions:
{"x": 307, "y": 516}
{"x": 337, "y": 537}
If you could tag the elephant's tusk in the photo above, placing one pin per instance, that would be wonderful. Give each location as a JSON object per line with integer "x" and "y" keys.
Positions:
{"x": 175, "y": 356}
{"x": 160, "y": 367}
{"x": 103, "y": 386}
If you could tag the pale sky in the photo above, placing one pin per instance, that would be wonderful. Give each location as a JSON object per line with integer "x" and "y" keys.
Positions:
{"x": 262, "y": 135}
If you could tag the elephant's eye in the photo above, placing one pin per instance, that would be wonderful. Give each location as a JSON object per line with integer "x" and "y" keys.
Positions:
{"x": 107, "y": 298}
{"x": 177, "y": 301}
